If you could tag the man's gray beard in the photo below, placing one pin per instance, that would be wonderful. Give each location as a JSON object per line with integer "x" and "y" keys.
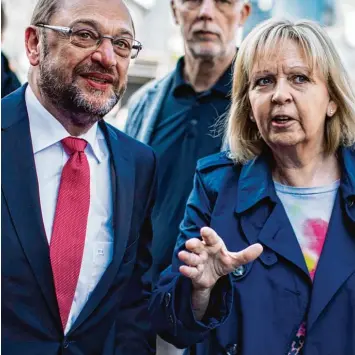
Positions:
{"x": 68, "y": 97}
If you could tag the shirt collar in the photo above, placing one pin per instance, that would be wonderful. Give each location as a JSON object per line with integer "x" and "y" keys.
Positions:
{"x": 180, "y": 85}
{"x": 46, "y": 130}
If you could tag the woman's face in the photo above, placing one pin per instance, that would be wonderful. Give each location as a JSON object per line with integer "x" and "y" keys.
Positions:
{"x": 289, "y": 102}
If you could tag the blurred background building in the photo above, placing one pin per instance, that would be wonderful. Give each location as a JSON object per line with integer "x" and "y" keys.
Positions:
{"x": 162, "y": 44}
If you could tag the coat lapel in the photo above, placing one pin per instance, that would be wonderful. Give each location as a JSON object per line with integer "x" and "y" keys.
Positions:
{"x": 276, "y": 235}
{"x": 262, "y": 216}
{"x": 337, "y": 261}
{"x": 20, "y": 186}
{"x": 123, "y": 187}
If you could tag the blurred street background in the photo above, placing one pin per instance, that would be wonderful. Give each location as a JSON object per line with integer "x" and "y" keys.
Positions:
{"x": 162, "y": 44}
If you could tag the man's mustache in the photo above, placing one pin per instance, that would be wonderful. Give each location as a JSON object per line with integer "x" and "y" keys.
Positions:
{"x": 96, "y": 68}
{"x": 207, "y": 28}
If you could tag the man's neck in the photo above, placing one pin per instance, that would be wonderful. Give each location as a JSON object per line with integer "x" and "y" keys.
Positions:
{"x": 63, "y": 116}
{"x": 203, "y": 73}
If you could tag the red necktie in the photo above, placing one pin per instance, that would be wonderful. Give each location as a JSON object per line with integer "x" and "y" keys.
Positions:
{"x": 70, "y": 221}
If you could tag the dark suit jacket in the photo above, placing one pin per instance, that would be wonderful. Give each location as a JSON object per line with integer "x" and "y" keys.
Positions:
{"x": 114, "y": 320}
{"x": 257, "y": 309}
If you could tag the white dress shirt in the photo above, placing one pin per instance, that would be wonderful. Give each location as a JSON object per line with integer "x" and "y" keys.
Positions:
{"x": 50, "y": 157}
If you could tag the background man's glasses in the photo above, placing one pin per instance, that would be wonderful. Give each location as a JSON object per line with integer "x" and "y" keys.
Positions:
{"x": 89, "y": 38}
{"x": 223, "y": 5}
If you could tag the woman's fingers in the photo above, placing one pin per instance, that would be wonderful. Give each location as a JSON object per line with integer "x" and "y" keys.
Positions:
{"x": 195, "y": 245}
{"x": 246, "y": 255}
{"x": 210, "y": 237}
{"x": 189, "y": 271}
{"x": 190, "y": 259}
{"x": 205, "y": 260}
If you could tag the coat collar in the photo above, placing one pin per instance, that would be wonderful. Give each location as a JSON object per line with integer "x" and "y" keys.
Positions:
{"x": 256, "y": 183}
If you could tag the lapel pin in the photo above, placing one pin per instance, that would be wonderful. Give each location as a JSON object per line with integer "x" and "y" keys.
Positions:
{"x": 239, "y": 271}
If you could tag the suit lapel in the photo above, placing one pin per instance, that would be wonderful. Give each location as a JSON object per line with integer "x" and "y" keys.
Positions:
{"x": 124, "y": 169}
{"x": 123, "y": 187}
{"x": 337, "y": 261}
{"x": 20, "y": 186}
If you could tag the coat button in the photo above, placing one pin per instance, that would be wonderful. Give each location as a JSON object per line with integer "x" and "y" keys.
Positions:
{"x": 232, "y": 349}
{"x": 66, "y": 343}
{"x": 171, "y": 320}
{"x": 351, "y": 203}
{"x": 239, "y": 271}
{"x": 167, "y": 299}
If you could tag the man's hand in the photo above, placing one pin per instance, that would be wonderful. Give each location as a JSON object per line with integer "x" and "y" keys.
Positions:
{"x": 207, "y": 261}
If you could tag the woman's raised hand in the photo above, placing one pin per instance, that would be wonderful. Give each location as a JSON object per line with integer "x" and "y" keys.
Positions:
{"x": 208, "y": 260}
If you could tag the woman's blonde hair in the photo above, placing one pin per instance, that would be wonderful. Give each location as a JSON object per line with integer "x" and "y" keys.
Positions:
{"x": 242, "y": 135}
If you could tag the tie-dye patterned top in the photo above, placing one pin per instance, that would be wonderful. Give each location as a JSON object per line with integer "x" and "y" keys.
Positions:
{"x": 309, "y": 211}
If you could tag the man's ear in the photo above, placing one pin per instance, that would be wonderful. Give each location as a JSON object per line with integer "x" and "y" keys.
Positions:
{"x": 173, "y": 9}
{"x": 32, "y": 45}
{"x": 245, "y": 12}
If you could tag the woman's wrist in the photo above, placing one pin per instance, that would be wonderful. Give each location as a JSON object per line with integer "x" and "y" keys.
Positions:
{"x": 200, "y": 299}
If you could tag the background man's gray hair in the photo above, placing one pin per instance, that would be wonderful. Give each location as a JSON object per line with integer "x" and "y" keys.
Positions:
{"x": 43, "y": 11}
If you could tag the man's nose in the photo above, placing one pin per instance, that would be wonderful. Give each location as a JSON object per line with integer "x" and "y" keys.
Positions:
{"x": 105, "y": 54}
{"x": 282, "y": 92}
{"x": 207, "y": 9}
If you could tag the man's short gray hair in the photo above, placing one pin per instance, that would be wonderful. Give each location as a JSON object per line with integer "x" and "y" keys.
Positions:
{"x": 44, "y": 11}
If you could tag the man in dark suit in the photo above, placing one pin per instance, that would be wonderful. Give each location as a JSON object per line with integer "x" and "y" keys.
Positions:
{"x": 77, "y": 193}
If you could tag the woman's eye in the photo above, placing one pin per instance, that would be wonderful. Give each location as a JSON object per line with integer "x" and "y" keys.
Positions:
{"x": 263, "y": 82}
{"x": 300, "y": 79}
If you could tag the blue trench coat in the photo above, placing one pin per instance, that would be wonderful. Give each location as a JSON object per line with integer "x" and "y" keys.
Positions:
{"x": 257, "y": 309}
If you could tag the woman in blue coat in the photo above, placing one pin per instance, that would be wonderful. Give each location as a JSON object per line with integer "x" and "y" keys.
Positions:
{"x": 265, "y": 261}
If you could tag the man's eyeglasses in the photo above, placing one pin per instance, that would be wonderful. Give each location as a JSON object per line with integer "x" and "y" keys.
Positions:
{"x": 91, "y": 39}
{"x": 222, "y": 5}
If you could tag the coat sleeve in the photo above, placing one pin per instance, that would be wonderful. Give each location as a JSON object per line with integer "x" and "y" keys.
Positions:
{"x": 134, "y": 334}
{"x": 170, "y": 306}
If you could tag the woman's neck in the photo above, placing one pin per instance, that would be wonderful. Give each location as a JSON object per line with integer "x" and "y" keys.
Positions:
{"x": 309, "y": 171}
